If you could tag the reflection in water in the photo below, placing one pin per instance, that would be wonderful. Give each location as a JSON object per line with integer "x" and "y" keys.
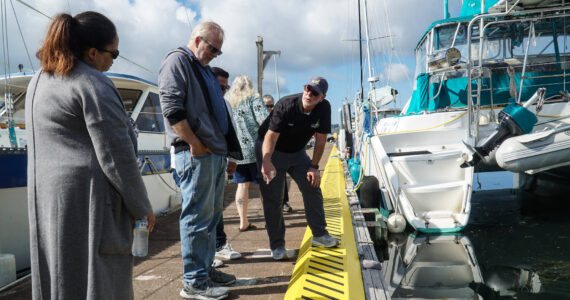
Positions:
{"x": 507, "y": 252}
{"x": 432, "y": 267}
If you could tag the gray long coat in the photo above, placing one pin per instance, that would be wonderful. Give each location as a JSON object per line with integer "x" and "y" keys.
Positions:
{"x": 84, "y": 187}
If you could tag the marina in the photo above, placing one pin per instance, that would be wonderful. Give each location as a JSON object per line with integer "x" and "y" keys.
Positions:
{"x": 512, "y": 250}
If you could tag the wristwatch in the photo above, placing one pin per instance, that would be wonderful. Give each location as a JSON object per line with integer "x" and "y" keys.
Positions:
{"x": 316, "y": 167}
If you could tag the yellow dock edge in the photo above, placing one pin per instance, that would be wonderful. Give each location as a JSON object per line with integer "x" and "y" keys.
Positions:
{"x": 329, "y": 273}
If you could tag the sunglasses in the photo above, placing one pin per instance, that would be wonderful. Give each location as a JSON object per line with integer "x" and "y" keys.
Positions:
{"x": 224, "y": 87}
{"x": 269, "y": 105}
{"x": 311, "y": 91}
{"x": 212, "y": 49}
{"x": 114, "y": 53}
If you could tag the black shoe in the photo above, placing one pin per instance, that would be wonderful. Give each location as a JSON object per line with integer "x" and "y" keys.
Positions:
{"x": 287, "y": 208}
{"x": 221, "y": 277}
{"x": 206, "y": 291}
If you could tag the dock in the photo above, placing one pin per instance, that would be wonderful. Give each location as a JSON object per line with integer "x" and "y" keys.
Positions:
{"x": 312, "y": 273}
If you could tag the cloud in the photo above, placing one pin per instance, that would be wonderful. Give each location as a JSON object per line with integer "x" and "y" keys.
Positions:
{"x": 313, "y": 36}
{"x": 397, "y": 73}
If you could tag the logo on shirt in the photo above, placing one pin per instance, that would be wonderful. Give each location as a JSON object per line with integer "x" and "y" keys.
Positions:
{"x": 316, "y": 125}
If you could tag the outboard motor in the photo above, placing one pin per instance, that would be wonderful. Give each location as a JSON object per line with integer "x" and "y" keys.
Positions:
{"x": 514, "y": 120}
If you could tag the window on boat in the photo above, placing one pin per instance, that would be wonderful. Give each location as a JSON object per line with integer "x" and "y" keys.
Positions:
{"x": 544, "y": 51}
{"x": 130, "y": 98}
{"x": 18, "y": 113}
{"x": 421, "y": 59}
{"x": 150, "y": 117}
{"x": 455, "y": 35}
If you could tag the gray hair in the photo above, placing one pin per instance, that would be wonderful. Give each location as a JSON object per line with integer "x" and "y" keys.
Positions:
{"x": 267, "y": 98}
{"x": 202, "y": 30}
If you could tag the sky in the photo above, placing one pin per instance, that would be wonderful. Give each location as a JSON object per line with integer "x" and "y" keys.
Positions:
{"x": 315, "y": 37}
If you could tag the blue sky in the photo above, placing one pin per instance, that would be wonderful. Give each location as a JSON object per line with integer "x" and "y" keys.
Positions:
{"x": 312, "y": 35}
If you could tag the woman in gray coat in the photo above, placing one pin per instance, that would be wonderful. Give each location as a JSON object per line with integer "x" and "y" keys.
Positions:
{"x": 84, "y": 186}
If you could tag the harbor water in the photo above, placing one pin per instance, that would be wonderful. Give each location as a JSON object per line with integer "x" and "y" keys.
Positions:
{"x": 517, "y": 243}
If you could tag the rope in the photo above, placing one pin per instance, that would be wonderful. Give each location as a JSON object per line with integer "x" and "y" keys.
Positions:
{"x": 363, "y": 166}
{"x": 155, "y": 171}
{"x": 31, "y": 7}
{"x": 128, "y": 60}
{"x": 22, "y": 35}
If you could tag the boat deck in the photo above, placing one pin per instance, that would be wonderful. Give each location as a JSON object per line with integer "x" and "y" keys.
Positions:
{"x": 313, "y": 273}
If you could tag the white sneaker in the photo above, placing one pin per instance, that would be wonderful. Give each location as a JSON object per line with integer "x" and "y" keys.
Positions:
{"x": 280, "y": 254}
{"x": 326, "y": 241}
{"x": 217, "y": 263}
{"x": 228, "y": 252}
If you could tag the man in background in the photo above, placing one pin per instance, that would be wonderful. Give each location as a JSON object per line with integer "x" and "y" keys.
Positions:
{"x": 270, "y": 103}
{"x": 223, "y": 248}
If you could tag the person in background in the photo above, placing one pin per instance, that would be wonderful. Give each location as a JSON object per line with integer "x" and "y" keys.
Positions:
{"x": 84, "y": 184}
{"x": 199, "y": 127}
{"x": 223, "y": 248}
{"x": 280, "y": 149}
{"x": 270, "y": 103}
{"x": 249, "y": 113}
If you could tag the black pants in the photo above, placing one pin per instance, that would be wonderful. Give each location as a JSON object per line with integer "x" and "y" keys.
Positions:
{"x": 296, "y": 165}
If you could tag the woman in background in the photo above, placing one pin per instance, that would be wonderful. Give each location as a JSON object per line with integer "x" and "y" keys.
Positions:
{"x": 84, "y": 185}
{"x": 249, "y": 112}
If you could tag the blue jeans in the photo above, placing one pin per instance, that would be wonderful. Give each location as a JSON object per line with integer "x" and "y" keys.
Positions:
{"x": 221, "y": 237}
{"x": 202, "y": 187}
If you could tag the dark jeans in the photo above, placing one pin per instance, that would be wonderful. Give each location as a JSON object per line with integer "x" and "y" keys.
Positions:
{"x": 296, "y": 165}
{"x": 221, "y": 237}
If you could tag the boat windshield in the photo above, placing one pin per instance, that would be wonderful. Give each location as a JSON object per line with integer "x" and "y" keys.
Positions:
{"x": 503, "y": 42}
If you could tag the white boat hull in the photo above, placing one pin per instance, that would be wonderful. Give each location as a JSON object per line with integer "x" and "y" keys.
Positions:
{"x": 418, "y": 163}
{"x": 14, "y": 227}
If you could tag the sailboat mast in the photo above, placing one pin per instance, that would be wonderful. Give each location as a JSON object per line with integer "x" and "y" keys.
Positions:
{"x": 360, "y": 50}
{"x": 370, "y": 74}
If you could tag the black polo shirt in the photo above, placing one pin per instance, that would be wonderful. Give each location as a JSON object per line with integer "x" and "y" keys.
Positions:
{"x": 295, "y": 128}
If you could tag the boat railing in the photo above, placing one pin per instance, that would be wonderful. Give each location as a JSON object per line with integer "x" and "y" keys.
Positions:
{"x": 475, "y": 70}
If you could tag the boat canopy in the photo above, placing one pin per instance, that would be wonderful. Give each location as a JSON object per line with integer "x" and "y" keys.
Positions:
{"x": 503, "y": 56}
{"x": 471, "y": 8}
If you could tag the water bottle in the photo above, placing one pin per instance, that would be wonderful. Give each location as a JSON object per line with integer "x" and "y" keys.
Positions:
{"x": 140, "y": 238}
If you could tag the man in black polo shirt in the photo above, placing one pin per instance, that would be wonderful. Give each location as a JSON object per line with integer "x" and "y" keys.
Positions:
{"x": 280, "y": 149}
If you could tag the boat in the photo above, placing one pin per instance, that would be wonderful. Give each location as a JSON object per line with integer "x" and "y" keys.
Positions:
{"x": 141, "y": 101}
{"x": 471, "y": 71}
{"x": 432, "y": 267}
{"x": 536, "y": 152}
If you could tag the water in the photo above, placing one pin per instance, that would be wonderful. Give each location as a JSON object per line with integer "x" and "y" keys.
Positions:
{"x": 516, "y": 246}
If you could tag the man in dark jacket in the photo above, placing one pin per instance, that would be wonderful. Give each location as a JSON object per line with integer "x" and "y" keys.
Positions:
{"x": 199, "y": 127}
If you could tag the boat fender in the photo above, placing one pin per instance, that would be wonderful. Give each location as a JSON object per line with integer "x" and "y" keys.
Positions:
{"x": 396, "y": 223}
{"x": 370, "y": 192}
{"x": 355, "y": 170}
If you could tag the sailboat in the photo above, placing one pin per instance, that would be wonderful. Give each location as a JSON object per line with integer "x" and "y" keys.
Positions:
{"x": 472, "y": 73}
